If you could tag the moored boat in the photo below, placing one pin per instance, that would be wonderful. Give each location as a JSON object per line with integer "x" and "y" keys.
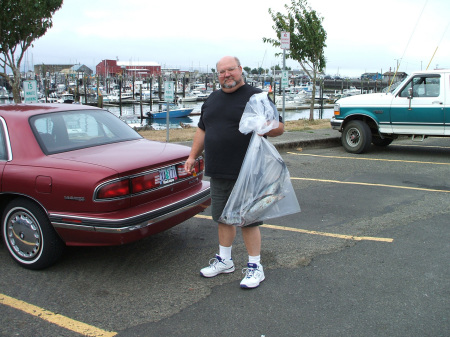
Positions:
{"x": 66, "y": 98}
{"x": 4, "y": 93}
{"x": 174, "y": 112}
{"x": 188, "y": 98}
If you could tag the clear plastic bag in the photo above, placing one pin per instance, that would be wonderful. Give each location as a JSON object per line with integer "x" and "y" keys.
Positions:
{"x": 260, "y": 115}
{"x": 263, "y": 189}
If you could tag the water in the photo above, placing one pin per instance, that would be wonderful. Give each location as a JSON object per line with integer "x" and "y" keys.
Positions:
{"x": 132, "y": 112}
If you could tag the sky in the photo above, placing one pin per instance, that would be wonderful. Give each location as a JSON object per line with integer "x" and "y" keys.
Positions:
{"x": 362, "y": 36}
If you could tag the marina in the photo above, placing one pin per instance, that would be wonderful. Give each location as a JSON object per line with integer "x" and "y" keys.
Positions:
{"x": 131, "y": 114}
{"x": 186, "y": 114}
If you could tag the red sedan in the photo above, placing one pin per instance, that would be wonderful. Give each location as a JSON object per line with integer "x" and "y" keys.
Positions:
{"x": 79, "y": 176}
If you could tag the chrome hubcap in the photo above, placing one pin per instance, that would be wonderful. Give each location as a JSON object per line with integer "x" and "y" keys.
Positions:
{"x": 24, "y": 234}
{"x": 353, "y": 137}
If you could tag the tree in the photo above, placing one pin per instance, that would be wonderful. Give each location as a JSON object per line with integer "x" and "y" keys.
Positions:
{"x": 22, "y": 22}
{"x": 307, "y": 37}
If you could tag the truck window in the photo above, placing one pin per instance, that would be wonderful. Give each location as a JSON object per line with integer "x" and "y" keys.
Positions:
{"x": 423, "y": 86}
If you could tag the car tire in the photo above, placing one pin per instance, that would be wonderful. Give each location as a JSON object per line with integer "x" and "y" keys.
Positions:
{"x": 30, "y": 238}
{"x": 377, "y": 141}
{"x": 356, "y": 137}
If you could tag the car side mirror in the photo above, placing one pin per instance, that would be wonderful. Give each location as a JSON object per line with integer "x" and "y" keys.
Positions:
{"x": 410, "y": 96}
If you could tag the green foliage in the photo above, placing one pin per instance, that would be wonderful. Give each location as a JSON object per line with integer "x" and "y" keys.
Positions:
{"x": 278, "y": 67}
{"x": 22, "y": 22}
{"x": 307, "y": 37}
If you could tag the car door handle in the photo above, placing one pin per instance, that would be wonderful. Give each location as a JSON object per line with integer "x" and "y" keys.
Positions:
{"x": 437, "y": 102}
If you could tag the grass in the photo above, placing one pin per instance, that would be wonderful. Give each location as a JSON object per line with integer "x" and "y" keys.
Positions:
{"x": 186, "y": 133}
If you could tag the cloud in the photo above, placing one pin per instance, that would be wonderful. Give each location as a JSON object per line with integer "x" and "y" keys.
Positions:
{"x": 362, "y": 35}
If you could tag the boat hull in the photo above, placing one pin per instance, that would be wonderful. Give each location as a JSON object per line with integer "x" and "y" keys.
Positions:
{"x": 176, "y": 113}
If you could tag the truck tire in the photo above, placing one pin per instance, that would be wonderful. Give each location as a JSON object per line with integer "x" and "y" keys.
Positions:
{"x": 356, "y": 137}
{"x": 377, "y": 141}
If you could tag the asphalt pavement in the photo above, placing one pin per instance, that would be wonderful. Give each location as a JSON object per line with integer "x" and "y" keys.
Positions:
{"x": 365, "y": 289}
{"x": 399, "y": 289}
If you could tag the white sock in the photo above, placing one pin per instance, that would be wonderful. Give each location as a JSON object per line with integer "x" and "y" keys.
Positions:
{"x": 225, "y": 252}
{"x": 254, "y": 259}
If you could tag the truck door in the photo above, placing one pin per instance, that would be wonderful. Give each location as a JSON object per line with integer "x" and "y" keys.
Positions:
{"x": 418, "y": 107}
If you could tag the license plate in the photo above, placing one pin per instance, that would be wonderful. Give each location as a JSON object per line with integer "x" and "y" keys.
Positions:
{"x": 168, "y": 175}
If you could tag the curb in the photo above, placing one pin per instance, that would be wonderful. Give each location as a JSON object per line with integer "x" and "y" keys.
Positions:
{"x": 327, "y": 142}
{"x": 289, "y": 140}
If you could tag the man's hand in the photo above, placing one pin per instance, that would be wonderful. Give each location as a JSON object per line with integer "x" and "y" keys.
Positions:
{"x": 189, "y": 165}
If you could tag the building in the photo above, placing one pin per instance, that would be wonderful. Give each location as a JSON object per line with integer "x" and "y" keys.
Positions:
{"x": 372, "y": 76}
{"x": 47, "y": 69}
{"x": 113, "y": 68}
{"x": 399, "y": 75}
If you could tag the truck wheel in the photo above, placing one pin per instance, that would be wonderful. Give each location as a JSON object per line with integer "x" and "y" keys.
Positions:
{"x": 356, "y": 137}
{"x": 377, "y": 141}
{"x": 30, "y": 238}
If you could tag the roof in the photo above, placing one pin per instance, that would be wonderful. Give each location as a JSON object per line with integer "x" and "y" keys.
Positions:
{"x": 39, "y": 108}
{"x": 137, "y": 63}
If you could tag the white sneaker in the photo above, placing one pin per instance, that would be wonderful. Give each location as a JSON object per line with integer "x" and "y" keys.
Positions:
{"x": 217, "y": 266}
{"x": 254, "y": 275}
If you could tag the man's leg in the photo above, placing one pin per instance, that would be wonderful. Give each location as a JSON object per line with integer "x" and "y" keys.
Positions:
{"x": 227, "y": 234}
{"x": 254, "y": 273}
{"x": 252, "y": 240}
{"x": 222, "y": 263}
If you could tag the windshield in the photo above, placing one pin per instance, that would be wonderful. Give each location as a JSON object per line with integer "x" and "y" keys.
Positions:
{"x": 393, "y": 86}
{"x": 72, "y": 130}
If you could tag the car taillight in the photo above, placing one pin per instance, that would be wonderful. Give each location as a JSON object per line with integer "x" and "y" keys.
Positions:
{"x": 198, "y": 167}
{"x": 148, "y": 181}
{"x": 114, "y": 190}
{"x": 145, "y": 182}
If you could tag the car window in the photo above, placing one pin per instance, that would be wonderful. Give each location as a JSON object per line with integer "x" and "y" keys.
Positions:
{"x": 3, "y": 151}
{"x": 71, "y": 130}
{"x": 422, "y": 86}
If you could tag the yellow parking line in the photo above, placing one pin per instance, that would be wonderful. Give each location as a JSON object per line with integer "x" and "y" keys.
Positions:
{"x": 371, "y": 184}
{"x": 62, "y": 321}
{"x": 339, "y": 236}
{"x": 304, "y": 231}
{"x": 372, "y": 159}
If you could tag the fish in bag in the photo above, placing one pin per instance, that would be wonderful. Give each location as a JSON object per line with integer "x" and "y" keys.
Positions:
{"x": 263, "y": 189}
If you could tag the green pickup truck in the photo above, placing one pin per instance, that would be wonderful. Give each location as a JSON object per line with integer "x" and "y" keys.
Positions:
{"x": 419, "y": 107}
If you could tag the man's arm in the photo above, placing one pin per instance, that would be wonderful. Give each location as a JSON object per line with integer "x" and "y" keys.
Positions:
{"x": 276, "y": 132}
{"x": 198, "y": 145}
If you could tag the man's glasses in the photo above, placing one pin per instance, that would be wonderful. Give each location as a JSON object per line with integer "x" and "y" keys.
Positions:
{"x": 229, "y": 70}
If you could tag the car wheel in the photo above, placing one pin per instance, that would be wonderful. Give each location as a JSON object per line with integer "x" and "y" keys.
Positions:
{"x": 377, "y": 141}
{"x": 356, "y": 137}
{"x": 31, "y": 240}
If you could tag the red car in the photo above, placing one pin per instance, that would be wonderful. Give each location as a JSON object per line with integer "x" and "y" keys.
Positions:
{"x": 79, "y": 176}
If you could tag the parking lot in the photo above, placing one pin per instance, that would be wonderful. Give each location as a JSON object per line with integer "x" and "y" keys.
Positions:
{"x": 367, "y": 256}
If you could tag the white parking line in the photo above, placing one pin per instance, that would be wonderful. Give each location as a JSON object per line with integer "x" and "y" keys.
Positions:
{"x": 371, "y": 159}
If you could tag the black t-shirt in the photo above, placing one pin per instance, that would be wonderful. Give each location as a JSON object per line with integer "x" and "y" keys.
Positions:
{"x": 225, "y": 145}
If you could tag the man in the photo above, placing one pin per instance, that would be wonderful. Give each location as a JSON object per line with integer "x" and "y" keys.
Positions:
{"x": 225, "y": 147}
